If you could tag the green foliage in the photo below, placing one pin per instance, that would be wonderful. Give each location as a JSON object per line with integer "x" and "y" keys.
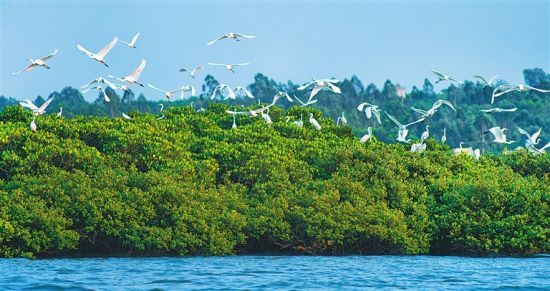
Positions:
{"x": 191, "y": 185}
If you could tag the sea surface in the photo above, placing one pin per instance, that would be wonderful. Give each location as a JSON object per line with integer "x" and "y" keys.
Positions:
{"x": 276, "y": 272}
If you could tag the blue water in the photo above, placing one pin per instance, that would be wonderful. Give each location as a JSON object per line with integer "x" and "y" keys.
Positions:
{"x": 277, "y": 272}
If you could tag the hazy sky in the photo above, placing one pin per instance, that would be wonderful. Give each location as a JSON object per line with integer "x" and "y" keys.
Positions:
{"x": 296, "y": 40}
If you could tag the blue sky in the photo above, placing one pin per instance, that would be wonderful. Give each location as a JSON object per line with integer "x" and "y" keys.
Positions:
{"x": 296, "y": 40}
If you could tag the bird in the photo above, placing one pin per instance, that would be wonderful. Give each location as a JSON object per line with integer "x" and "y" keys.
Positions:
{"x": 242, "y": 91}
{"x": 102, "y": 81}
{"x": 403, "y": 131}
{"x": 444, "y": 137}
{"x": 503, "y": 89}
{"x": 280, "y": 95}
{"x": 320, "y": 84}
{"x": 370, "y": 110}
{"x": 36, "y": 110}
{"x": 132, "y": 43}
{"x": 40, "y": 62}
{"x": 531, "y": 139}
{"x": 425, "y": 134}
{"x": 252, "y": 113}
{"x": 231, "y": 35}
{"x": 266, "y": 117}
{"x": 100, "y": 89}
{"x": 314, "y": 122}
{"x": 469, "y": 151}
{"x": 167, "y": 94}
{"x": 418, "y": 147}
{"x": 342, "y": 119}
{"x": 229, "y": 67}
{"x": 488, "y": 83}
{"x": 367, "y": 136}
{"x": 443, "y": 77}
{"x": 225, "y": 91}
{"x": 532, "y": 149}
{"x": 498, "y": 133}
{"x": 496, "y": 110}
{"x": 60, "y": 112}
{"x": 126, "y": 116}
{"x": 309, "y": 102}
{"x": 299, "y": 123}
{"x": 133, "y": 77}
{"x": 192, "y": 72}
{"x": 33, "y": 124}
{"x": 100, "y": 56}
{"x": 187, "y": 88}
{"x": 430, "y": 112}
{"x": 162, "y": 114}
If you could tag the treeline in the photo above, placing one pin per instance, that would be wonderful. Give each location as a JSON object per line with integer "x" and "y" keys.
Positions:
{"x": 191, "y": 185}
{"x": 465, "y": 125}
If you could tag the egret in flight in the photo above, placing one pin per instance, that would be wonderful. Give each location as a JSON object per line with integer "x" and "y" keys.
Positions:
{"x": 320, "y": 84}
{"x": 370, "y": 110}
{"x": 503, "y": 89}
{"x": 531, "y": 139}
{"x": 430, "y": 112}
{"x": 225, "y": 91}
{"x": 100, "y": 56}
{"x": 102, "y": 81}
{"x": 443, "y": 77}
{"x": 167, "y": 94}
{"x": 36, "y": 110}
{"x": 489, "y": 82}
{"x": 241, "y": 91}
{"x": 403, "y": 131}
{"x": 498, "y": 133}
{"x": 497, "y": 110}
{"x": 192, "y": 72}
{"x": 100, "y": 89}
{"x": 229, "y": 67}
{"x": 232, "y": 35}
{"x": 40, "y": 62}
{"x": 309, "y": 102}
{"x": 133, "y": 77}
{"x": 132, "y": 43}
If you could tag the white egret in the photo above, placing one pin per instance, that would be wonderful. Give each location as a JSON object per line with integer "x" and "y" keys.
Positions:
{"x": 100, "y": 56}
{"x": 403, "y": 131}
{"x": 60, "y": 112}
{"x": 36, "y": 110}
{"x": 225, "y": 91}
{"x": 309, "y": 102}
{"x": 469, "y": 151}
{"x": 132, "y": 43}
{"x": 33, "y": 124}
{"x": 266, "y": 117}
{"x": 102, "y": 81}
{"x": 234, "y": 121}
{"x": 126, "y": 116}
{"x": 532, "y": 149}
{"x": 229, "y": 67}
{"x": 240, "y": 91}
{"x": 299, "y": 123}
{"x": 320, "y": 84}
{"x": 100, "y": 89}
{"x": 367, "y": 136}
{"x": 430, "y": 112}
{"x": 252, "y": 113}
{"x": 133, "y": 77}
{"x": 232, "y": 35}
{"x": 167, "y": 94}
{"x": 192, "y": 72}
{"x": 370, "y": 110}
{"x": 531, "y": 139}
{"x": 425, "y": 134}
{"x": 498, "y": 133}
{"x": 503, "y": 89}
{"x": 443, "y": 77}
{"x": 444, "y": 137}
{"x": 488, "y": 83}
{"x": 497, "y": 110}
{"x": 187, "y": 88}
{"x": 280, "y": 95}
{"x": 40, "y": 62}
{"x": 418, "y": 147}
{"x": 314, "y": 122}
{"x": 342, "y": 119}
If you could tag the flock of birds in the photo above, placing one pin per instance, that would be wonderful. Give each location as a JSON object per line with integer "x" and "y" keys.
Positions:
{"x": 314, "y": 87}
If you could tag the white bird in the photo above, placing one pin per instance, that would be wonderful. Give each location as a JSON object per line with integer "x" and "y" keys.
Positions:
{"x": 488, "y": 83}
{"x": 532, "y": 149}
{"x": 309, "y": 102}
{"x": 240, "y": 91}
{"x": 100, "y": 89}
{"x": 266, "y": 117}
{"x": 500, "y": 136}
{"x": 232, "y": 35}
{"x": 33, "y": 124}
{"x": 444, "y": 137}
{"x": 187, "y": 88}
{"x": 503, "y": 89}
{"x": 403, "y": 131}
{"x": 132, "y": 43}
{"x": 229, "y": 67}
{"x": 36, "y": 110}
{"x": 192, "y": 71}
{"x": 162, "y": 114}
{"x": 342, "y": 119}
{"x": 40, "y": 62}
{"x": 370, "y": 110}
{"x": 443, "y": 77}
{"x": 320, "y": 84}
{"x": 531, "y": 139}
{"x": 469, "y": 151}
{"x": 425, "y": 134}
{"x": 234, "y": 125}
{"x": 367, "y": 136}
{"x": 314, "y": 122}
{"x": 126, "y": 116}
{"x": 60, "y": 112}
{"x": 418, "y": 147}
{"x": 430, "y": 112}
{"x": 100, "y": 56}
{"x": 133, "y": 77}
{"x": 167, "y": 94}
{"x": 280, "y": 95}
{"x": 497, "y": 110}
{"x": 299, "y": 123}
{"x": 102, "y": 81}
{"x": 225, "y": 91}
{"x": 252, "y": 113}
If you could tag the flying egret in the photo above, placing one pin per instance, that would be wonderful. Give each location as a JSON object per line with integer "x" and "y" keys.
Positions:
{"x": 532, "y": 149}
{"x": 225, "y": 91}
{"x": 503, "y": 89}
{"x": 36, "y": 110}
{"x": 498, "y": 133}
{"x": 229, "y": 67}
{"x": 240, "y": 91}
{"x": 488, "y": 83}
{"x": 280, "y": 95}
{"x": 320, "y": 84}
{"x": 133, "y": 77}
{"x": 192, "y": 71}
{"x": 100, "y": 89}
{"x": 444, "y": 137}
{"x": 102, "y": 81}
{"x": 367, "y": 136}
{"x": 252, "y": 113}
{"x": 132, "y": 43}
{"x": 126, "y": 116}
{"x": 167, "y": 94}
{"x": 531, "y": 139}
{"x": 232, "y": 35}
{"x": 60, "y": 111}
{"x": 403, "y": 131}
{"x": 430, "y": 112}
{"x": 425, "y": 134}
{"x": 314, "y": 122}
{"x": 100, "y": 56}
{"x": 497, "y": 110}
{"x": 443, "y": 77}
{"x": 370, "y": 110}
{"x": 40, "y": 62}
{"x": 309, "y": 102}
{"x": 187, "y": 88}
